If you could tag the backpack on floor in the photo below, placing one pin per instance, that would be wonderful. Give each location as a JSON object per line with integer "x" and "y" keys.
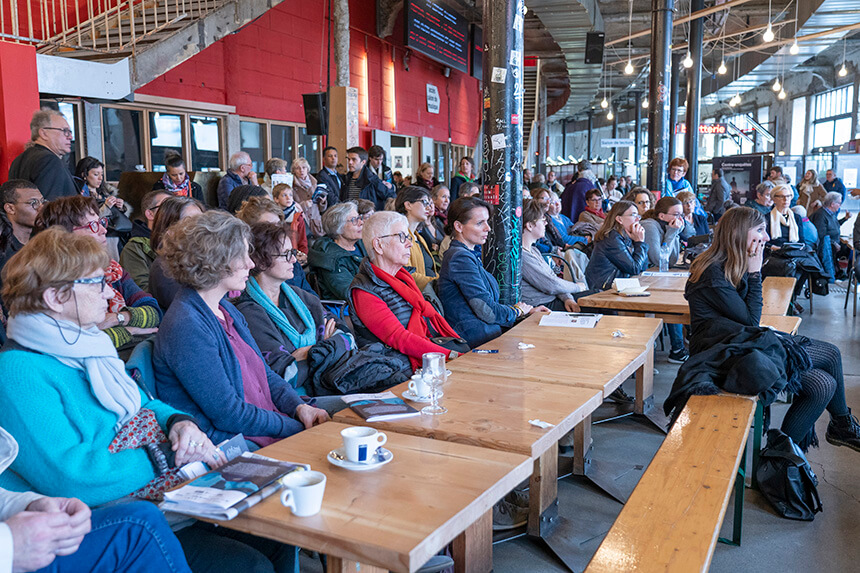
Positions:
{"x": 786, "y": 479}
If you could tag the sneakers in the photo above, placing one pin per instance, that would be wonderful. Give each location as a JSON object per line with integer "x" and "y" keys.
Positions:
{"x": 619, "y": 396}
{"x": 509, "y": 515}
{"x": 844, "y": 431}
{"x": 678, "y": 356}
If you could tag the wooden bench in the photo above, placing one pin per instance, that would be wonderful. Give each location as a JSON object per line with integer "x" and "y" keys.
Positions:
{"x": 672, "y": 520}
{"x": 776, "y": 294}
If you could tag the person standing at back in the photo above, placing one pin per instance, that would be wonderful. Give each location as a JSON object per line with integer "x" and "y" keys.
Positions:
{"x": 832, "y": 184}
{"x": 41, "y": 162}
{"x": 573, "y": 197}
{"x": 376, "y": 162}
{"x": 239, "y": 172}
{"x": 719, "y": 194}
{"x": 361, "y": 182}
{"x": 330, "y": 177}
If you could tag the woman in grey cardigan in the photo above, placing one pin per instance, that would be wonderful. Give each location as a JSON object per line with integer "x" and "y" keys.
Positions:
{"x": 540, "y": 285}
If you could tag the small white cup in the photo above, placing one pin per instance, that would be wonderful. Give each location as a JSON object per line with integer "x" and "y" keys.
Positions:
{"x": 361, "y": 442}
{"x": 419, "y": 386}
{"x": 303, "y": 492}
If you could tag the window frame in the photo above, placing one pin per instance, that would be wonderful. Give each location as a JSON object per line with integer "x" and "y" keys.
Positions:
{"x": 267, "y": 137}
{"x": 818, "y": 101}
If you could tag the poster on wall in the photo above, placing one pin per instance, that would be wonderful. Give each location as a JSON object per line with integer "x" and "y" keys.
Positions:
{"x": 743, "y": 174}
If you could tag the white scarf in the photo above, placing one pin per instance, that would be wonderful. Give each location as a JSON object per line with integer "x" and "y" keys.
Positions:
{"x": 90, "y": 350}
{"x": 776, "y": 220}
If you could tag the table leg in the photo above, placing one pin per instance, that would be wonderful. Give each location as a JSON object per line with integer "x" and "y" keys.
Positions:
{"x": 645, "y": 383}
{"x": 472, "y": 550}
{"x": 543, "y": 493}
{"x": 602, "y": 474}
{"x": 338, "y": 565}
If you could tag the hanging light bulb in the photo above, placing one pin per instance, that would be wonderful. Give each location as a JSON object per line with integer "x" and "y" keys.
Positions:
{"x": 610, "y": 116}
{"x": 722, "y": 69}
{"x": 732, "y": 102}
{"x": 794, "y": 49}
{"x": 768, "y": 34}
{"x": 604, "y": 104}
{"x": 843, "y": 71}
{"x": 688, "y": 61}
{"x": 645, "y": 103}
{"x": 781, "y": 94}
{"x": 776, "y": 85}
{"x": 628, "y": 69}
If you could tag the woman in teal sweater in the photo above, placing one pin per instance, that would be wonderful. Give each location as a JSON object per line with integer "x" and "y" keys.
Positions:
{"x": 76, "y": 414}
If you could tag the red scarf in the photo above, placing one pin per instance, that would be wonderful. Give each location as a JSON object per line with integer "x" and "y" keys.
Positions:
{"x": 113, "y": 274}
{"x": 442, "y": 215}
{"x": 404, "y": 285}
{"x": 598, "y": 212}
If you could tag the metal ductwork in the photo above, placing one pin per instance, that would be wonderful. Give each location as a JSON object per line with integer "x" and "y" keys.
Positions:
{"x": 568, "y": 21}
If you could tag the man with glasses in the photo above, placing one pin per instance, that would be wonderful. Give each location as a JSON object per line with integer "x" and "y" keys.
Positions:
{"x": 21, "y": 202}
{"x": 240, "y": 171}
{"x": 41, "y": 163}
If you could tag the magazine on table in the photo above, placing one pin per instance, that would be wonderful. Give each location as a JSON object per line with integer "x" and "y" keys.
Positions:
{"x": 570, "y": 319}
{"x": 379, "y": 407}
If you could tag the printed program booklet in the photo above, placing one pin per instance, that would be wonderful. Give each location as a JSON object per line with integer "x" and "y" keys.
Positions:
{"x": 379, "y": 407}
{"x": 234, "y": 487}
{"x": 570, "y": 319}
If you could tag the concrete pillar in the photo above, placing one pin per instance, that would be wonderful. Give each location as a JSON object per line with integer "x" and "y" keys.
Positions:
{"x": 93, "y": 130}
{"x": 694, "y": 93}
{"x": 340, "y": 13}
{"x": 590, "y": 130}
{"x": 658, "y": 98}
{"x": 19, "y": 98}
{"x": 503, "y": 142}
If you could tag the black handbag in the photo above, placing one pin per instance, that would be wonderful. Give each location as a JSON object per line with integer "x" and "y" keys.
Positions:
{"x": 458, "y": 345}
{"x": 786, "y": 479}
{"x": 118, "y": 222}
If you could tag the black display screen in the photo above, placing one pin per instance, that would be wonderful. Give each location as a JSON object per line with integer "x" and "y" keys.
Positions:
{"x": 437, "y": 31}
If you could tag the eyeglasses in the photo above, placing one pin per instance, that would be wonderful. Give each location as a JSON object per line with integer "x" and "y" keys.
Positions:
{"x": 34, "y": 203}
{"x": 93, "y": 225}
{"x": 592, "y": 200}
{"x": 102, "y": 280}
{"x": 677, "y": 170}
{"x": 366, "y": 216}
{"x": 780, "y": 197}
{"x": 355, "y": 220}
{"x": 427, "y": 204}
{"x": 636, "y": 216}
{"x": 66, "y": 131}
{"x": 676, "y": 215}
{"x": 646, "y": 202}
{"x": 402, "y": 236}
{"x": 290, "y": 255}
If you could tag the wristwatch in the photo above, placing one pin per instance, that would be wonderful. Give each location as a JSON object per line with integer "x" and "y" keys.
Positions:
{"x": 120, "y": 318}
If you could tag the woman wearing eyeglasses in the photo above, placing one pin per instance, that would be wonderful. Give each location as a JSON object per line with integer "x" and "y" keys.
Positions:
{"x": 663, "y": 226}
{"x": 415, "y": 203}
{"x": 386, "y": 304}
{"x": 695, "y": 224}
{"x": 620, "y": 250}
{"x": 131, "y": 311}
{"x": 335, "y": 257}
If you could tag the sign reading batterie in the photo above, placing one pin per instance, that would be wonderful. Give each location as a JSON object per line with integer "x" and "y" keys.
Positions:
{"x": 704, "y": 128}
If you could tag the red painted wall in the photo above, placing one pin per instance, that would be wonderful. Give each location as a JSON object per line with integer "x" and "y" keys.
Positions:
{"x": 19, "y": 98}
{"x": 264, "y": 68}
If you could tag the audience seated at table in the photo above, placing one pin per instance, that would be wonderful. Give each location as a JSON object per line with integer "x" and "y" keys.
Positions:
{"x": 469, "y": 294}
{"x": 663, "y": 227}
{"x": 334, "y": 258}
{"x": 137, "y": 255}
{"x": 642, "y": 198}
{"x": 131, "y": 311}
{"x": 386, "y": 304}
{"x": 176, "y": 180}
{"x": 415, "y": 204}
{"x": 695, "y": 224}
{"x": 283, "y": 195}
{"x": 163, "y": 286}
{"x": 593, "y": 213}
{"x": 557, "y": 228}
{"x": 620, "y": 250}
{"x": 221, "y": 379}
{"x": 827, "y": 223}
{"x": 725, "y": 295}
{"x": 540, "y": 285}
{"x": 73, "y": 409}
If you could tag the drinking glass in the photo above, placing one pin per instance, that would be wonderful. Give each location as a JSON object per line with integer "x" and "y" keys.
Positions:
{"x": 435, "y": 373}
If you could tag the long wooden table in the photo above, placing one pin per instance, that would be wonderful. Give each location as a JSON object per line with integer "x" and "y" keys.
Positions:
{"x": 398, "y": 516}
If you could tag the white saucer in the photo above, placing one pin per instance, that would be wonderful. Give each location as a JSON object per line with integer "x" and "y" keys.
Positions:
{"x": 383, "y": 453}
{"x": 410, "y": 395}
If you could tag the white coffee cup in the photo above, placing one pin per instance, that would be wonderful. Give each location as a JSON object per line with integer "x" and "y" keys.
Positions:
{"x": 418, "y": 385}
{"x": 303, "y": 492}
{"x": 360, "y": 443}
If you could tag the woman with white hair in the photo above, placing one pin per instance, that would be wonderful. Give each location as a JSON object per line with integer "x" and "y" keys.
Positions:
{"x": 387, "y": 305}
{"x": 304, "y": 186}
{"x": 334, "y": 258}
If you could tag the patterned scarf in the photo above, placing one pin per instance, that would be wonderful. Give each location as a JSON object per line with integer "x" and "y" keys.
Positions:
{"x": 598, "y": 212}
{"x": 114, "y": 274}
{"x": 181, "y": 190}
{"x": 441, "y": 215}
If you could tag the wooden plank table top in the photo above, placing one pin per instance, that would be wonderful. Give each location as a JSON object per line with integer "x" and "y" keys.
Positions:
{"x": 776, "y": 294}
{"x": 788, "y": 324}
{"x": 669, "y": 305}
{"x": 395, "y": 517}
{"x": 494, "y": 412}
{"x": 663, "y": 282}
{"x": 671, "y": 521}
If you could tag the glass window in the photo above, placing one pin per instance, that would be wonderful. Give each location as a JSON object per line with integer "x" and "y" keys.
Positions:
{"x": 165, "y": 133}
{"x": 252, "y": 135}
{"x": 282, "y": 143}
{"x": 832, "y": 112}
{"x": 441, "y": 166}
{"x": 122, "y": 151}
{"x": 205, "y": 143}
{"x": 798, "y": 126}
{"x": 309, "y": 148}
{"x": 68, "y": 111}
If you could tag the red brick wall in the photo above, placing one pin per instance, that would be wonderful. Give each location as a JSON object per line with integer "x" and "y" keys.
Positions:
{"x": 264, "y": 68}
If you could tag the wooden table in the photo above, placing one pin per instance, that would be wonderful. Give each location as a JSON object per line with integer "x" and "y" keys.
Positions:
{"x": 398, "y": 516}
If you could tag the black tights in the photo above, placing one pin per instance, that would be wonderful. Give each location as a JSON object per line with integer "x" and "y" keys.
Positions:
{"x": 822, "y": 386}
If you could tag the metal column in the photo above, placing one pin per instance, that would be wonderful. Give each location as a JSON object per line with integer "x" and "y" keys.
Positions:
{"x": 694, "y": 93}
{"x": 588, "y": 155}
{"x": 503, "y": 143}
{"x": 658, "y": 96}
{"x": 673, "y": 103}
{"x": 637, "y": 130}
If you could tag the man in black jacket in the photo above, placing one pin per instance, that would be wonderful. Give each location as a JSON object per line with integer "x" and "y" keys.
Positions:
{"x": 329, "y": 175}
{"x": 41, "y": 163}
{"x": 361, "y": 182}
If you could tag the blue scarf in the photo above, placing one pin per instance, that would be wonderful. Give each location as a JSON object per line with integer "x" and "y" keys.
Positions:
{"x": 299, "y": 340}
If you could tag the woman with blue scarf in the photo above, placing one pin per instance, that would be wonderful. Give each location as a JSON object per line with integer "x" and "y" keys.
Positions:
{"x": 285, "y": 321}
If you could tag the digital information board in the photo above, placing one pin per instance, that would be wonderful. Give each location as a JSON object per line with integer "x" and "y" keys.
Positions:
{"x": 438, "y": 32}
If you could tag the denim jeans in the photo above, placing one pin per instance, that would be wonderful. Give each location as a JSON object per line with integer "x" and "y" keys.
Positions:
{"x": 213, "y": 549}
{"x": 129, "y": 537}
{"x": 676, "y": 336}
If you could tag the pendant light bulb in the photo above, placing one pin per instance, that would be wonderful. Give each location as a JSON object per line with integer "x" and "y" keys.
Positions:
{"x": 645, "y": 103}
{"x": 722, "y": 69}
{"x": 768, "y": 34}
{"x": 610, "y": 116}
{"x": 688, "y": 61}
{"x": 794, "y": 49}
{"x": 782, "y": 94}
{"x": 843, "y": 71}
{"x": 604, "y": 104}
{"x": 628, "y": 69}
{"x": 776, "y": 85}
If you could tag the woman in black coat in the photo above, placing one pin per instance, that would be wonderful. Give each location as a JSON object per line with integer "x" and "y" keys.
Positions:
{"x": 725, "y": 285}
{"x": 620, "y": 250}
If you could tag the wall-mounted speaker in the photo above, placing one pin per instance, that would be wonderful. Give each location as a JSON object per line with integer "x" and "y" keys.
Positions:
{"x": 316, "y": 114}
{"x": 594, "y": 47}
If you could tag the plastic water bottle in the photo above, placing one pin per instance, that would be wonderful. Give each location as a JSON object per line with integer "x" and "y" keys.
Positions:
{"x": 664, "y": 258}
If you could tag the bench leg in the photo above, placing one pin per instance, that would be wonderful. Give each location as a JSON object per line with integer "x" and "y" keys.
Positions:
{"x": 737, "y": 524}
{"x": 472, "y": 550}
{"x": 758, "y": 430}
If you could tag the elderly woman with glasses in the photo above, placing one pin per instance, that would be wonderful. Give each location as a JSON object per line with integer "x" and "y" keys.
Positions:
{"x": 131, "y": 311}
{"x": 415, "y": 203}
{"x": 221, "y": 378}
{"x": 620, "y": 250}
{"x": 334, "y": 258}
{"x": 387, "y": 305}
{"x": 695, "y": 224}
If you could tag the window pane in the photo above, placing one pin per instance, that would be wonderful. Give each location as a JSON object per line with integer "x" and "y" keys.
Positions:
{"x": 205, "y": 143}
{"x": 308, "y": 146}
{"x": 122, "y": 141}
{"x": 798, "y": 125}
{"x": 822, "y": 134}
{"x": 842, "y": 131}
{"x": 68, "y": 111}
{"x": 165, "y": 132}
{"x": 282, "y": 143}
{"x": 251, "y": 134}
{"x": 441, "y": 166}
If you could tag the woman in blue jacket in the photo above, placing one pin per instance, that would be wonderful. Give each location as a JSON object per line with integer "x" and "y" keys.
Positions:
{"x": 469, "y": 293}
{"x": 620, "y": 250}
